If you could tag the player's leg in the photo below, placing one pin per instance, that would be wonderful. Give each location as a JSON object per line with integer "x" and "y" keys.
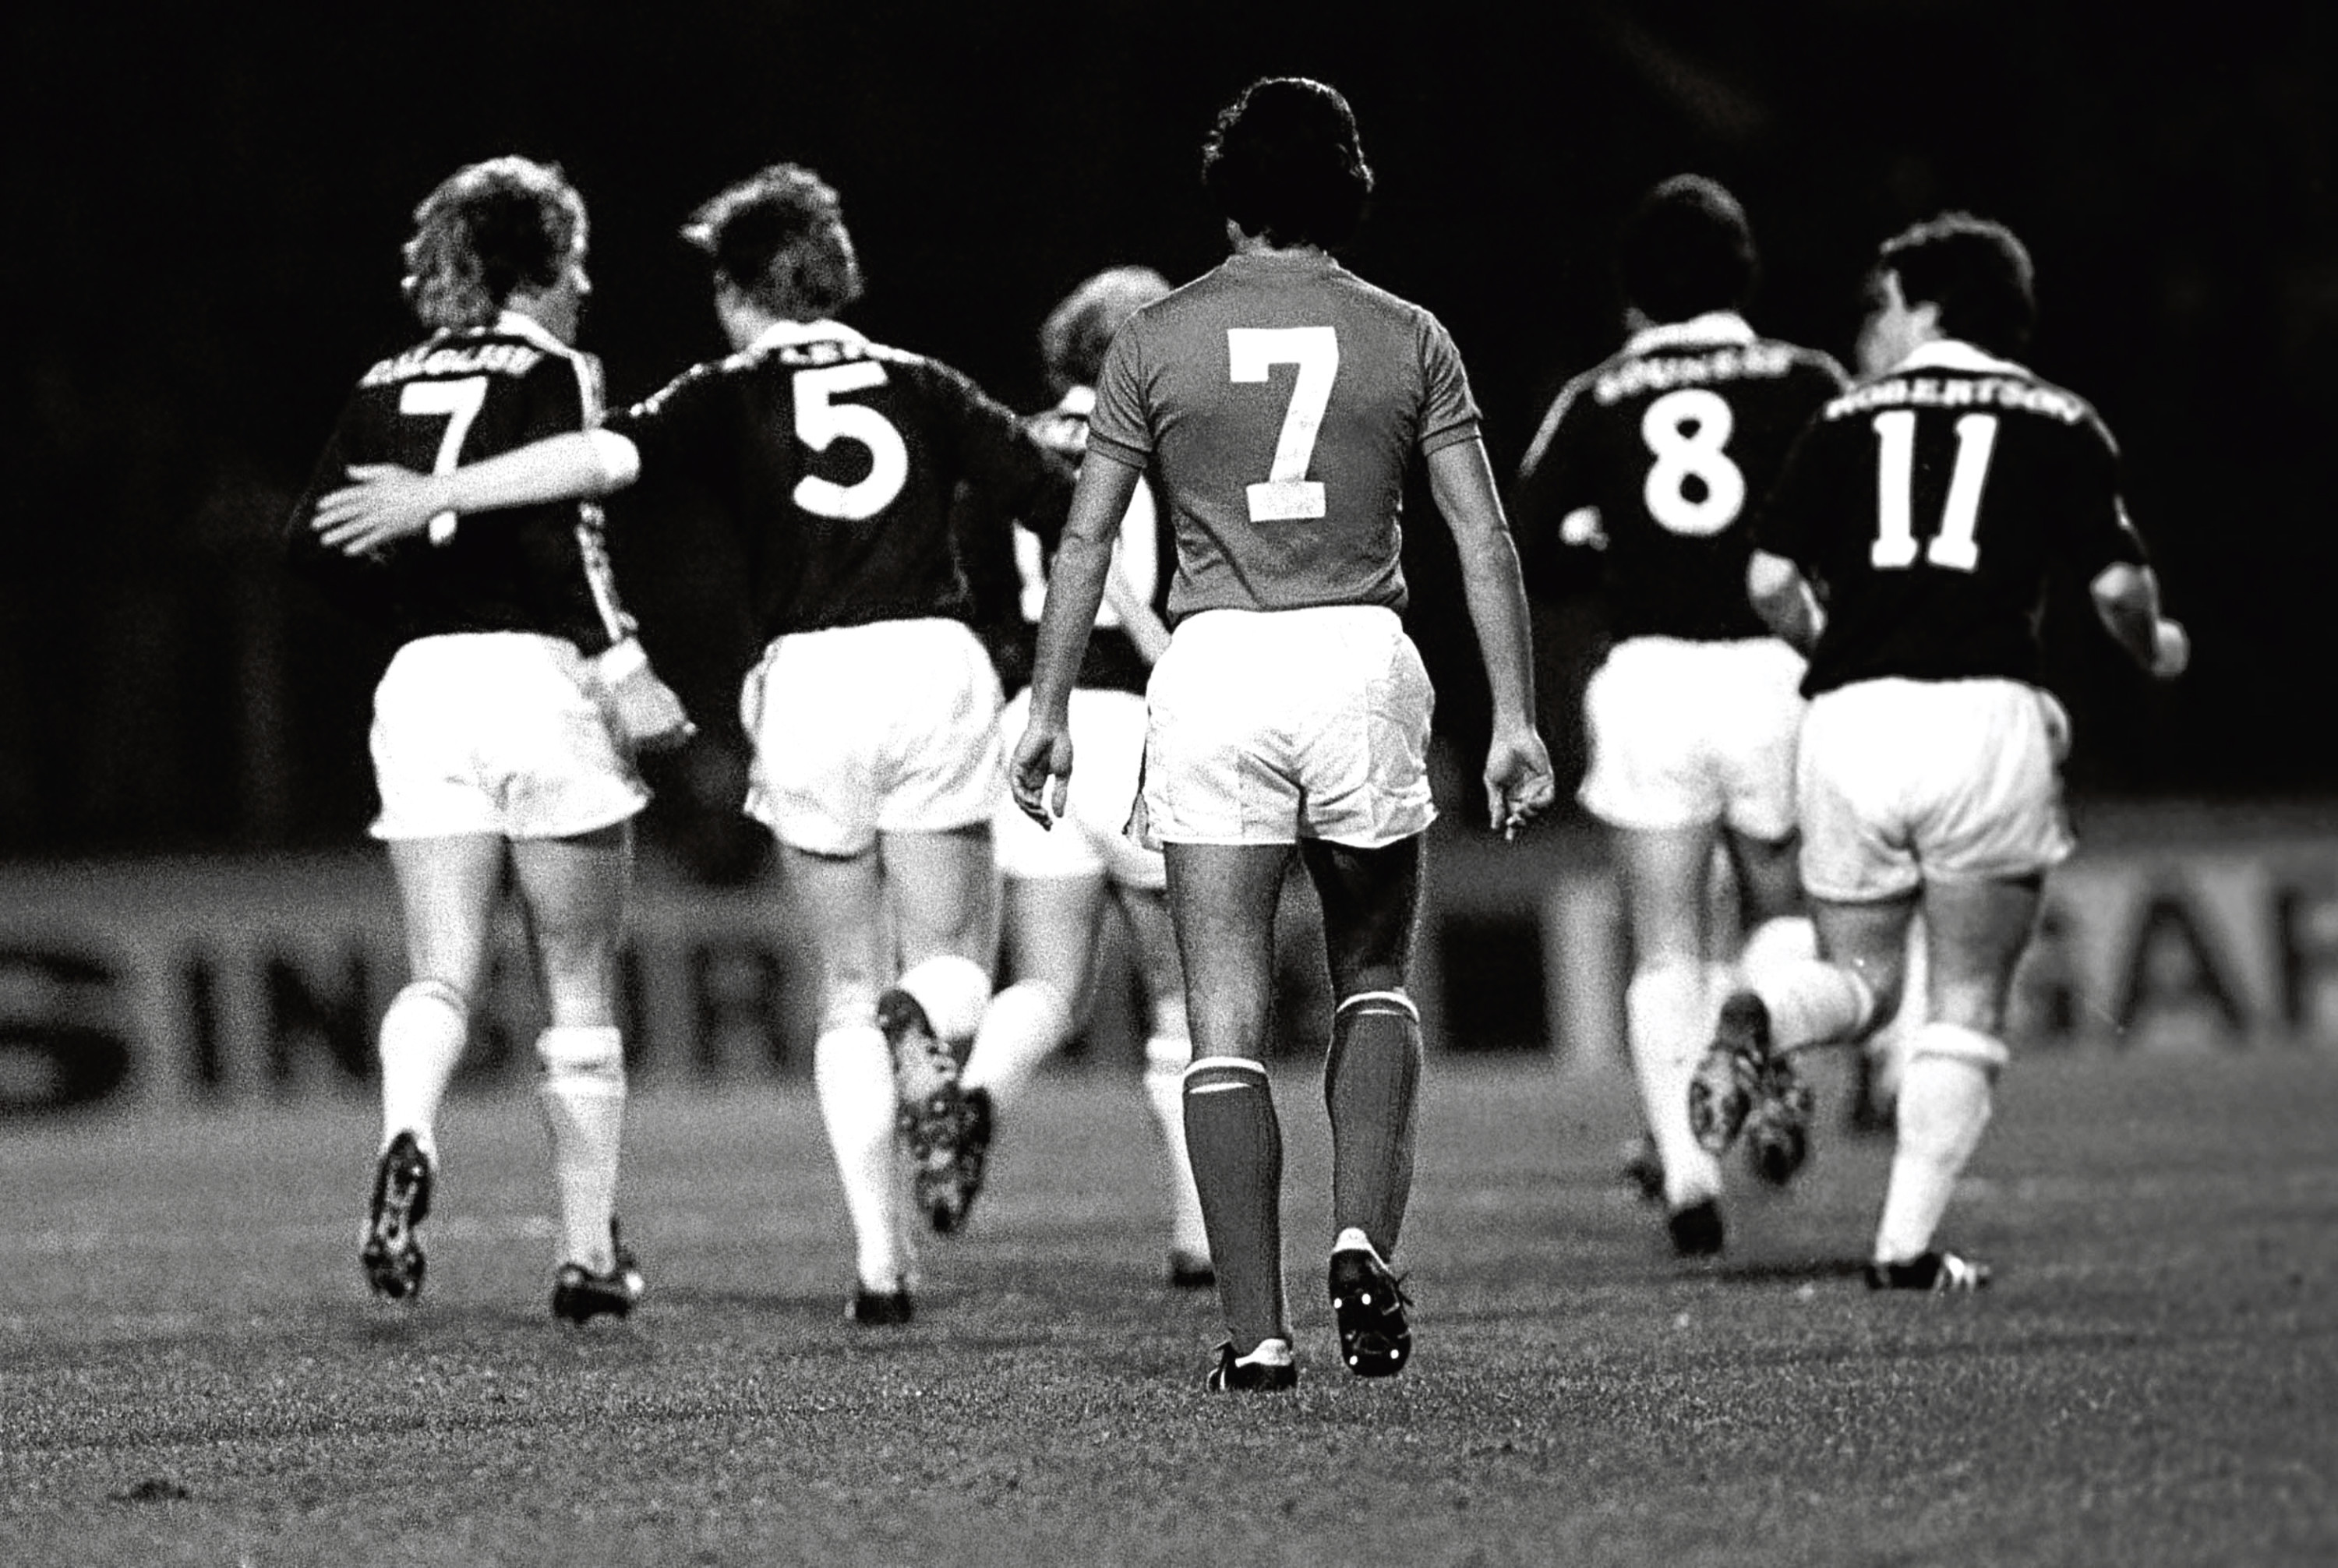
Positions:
{"x": 574, "y": 890}
{"x": 1049, "y": 926}
{"x": 1222, "y": 902}
{"x": 1168, "y": 1049}
{"x": 1976, "y": 933}
{"x": 447, "y": 891}
{"x": 942, "y": 898}
{"x": 841, "y": 904}
{"x": 1668, "y": 1012}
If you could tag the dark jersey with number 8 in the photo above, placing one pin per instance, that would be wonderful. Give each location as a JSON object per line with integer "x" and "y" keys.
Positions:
{"x": 1930, "y": 505}
{"x": 1655, "y": 459}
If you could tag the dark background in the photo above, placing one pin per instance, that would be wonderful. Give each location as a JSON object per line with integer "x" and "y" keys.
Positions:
{"x": 206, "y": 212}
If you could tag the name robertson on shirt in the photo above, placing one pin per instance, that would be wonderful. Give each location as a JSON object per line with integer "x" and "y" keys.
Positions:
{"x": 1755, "y": 361}
{"x": 1960, "y": 392}
{"x": 477, "y": 359}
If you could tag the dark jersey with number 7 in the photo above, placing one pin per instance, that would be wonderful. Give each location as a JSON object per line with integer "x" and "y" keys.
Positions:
{"x": 1651, "y": 462}
{"x": 840, "y": 461}
{"x": 457, "y": 398}
{"x": 1930, "y": 505}
{"x": 1276, "y": 402}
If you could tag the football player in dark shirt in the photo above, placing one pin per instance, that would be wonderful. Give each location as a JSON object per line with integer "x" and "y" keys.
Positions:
{"x": 1056, "y": 884}
{"x": 495, "y": 745}
{"x": 1274, "y": 405}
{"x": 1646, "y": 471}
{"x": 1909, "y": 547}
{"x": 874, "y": 710}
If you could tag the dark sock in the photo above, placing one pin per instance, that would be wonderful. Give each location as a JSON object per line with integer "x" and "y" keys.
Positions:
{"x": 1372, "y": 1080}
{"x": 1236, "y": 1146}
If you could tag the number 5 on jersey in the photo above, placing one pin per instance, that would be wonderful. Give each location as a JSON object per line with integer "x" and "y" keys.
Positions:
{"x": 1288, "y": 495}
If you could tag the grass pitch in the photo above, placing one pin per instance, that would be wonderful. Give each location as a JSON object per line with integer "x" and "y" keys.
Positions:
{"x": 191, "y": 1373}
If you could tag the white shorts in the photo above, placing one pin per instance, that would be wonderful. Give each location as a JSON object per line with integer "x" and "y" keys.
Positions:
{"x": 1684, "y": 733}
{"x": 888, "y": 728}
{"x": 496, "y": 732}
{"x": 1267, "y": 727}
{"x": 1905, "y": 782}
{"x": 1091, "y": 839}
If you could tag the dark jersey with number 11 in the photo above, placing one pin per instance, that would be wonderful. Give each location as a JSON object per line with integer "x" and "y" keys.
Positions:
{"x": 1655, "y": 459}
{"x": 1929, "y": 507}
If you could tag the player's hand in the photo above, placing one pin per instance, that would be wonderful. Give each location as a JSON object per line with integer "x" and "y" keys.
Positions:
{"x": 386, "y": 504}
{"x": 2171, "y": 650}
{"x": 1042, "y": 757}
{"x": 1520, "y": 787}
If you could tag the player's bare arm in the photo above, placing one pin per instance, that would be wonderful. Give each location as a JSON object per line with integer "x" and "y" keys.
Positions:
{"x": 1782, "y": 598}
{"x": 386, "y": 503}
{"x": 2127, "y": 600}
{"x": 1075, "y": 586}
{"x": 1518, "y": 783}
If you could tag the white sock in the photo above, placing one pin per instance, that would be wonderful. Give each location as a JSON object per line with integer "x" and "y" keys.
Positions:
{"x": 853, "y": 1073}
{"x": 584, "y": 1099}
{"x": 1165, "y": 1059}
{"x": 1775, "y": 944}
{"x": 952, "y": 991}
{"x": 1023, "y": 1027}
{"x": 1813, "y": 1002}
{"x": 1946, "y": 1094}
{"x": 1667, "y": 1023}
{"x": 422, "y": 1039}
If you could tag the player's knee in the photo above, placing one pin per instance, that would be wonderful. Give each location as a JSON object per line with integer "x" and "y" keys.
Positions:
{"x": 575, "y": 1053}
{"x": 1949, "y": 1042}
{"x": 431, "y": 996}
{"x": 953, "y": 991}
{"x": 848, "y": 1004}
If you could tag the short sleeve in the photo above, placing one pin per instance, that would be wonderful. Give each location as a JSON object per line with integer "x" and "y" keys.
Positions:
{"x": 1449, "y": 414}
{"x": 2100, "y": 534}
{"x": 1120, "y": 426}
{"x": 677, "y": 427}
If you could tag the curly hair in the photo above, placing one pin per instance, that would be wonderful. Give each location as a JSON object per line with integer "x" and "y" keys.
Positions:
{"x": 488, "y": 230}
{"x": 1975, "y": 270}
{"x": 778, "y": 236}
{"x": 1686, "y": 248}
{"x": 1284, "y": 162}
{"x": 1076, "y": 332}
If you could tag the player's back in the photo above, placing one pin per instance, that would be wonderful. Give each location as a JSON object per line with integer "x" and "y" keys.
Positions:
{"x": 1932, "y": 503}
{"x": 840, "y": 459}
{"x": 1142, "y": 557}
{"x": 1278, "y": 400}
{"x": 459, "y": 396}
{"x": 1658, "y": 457}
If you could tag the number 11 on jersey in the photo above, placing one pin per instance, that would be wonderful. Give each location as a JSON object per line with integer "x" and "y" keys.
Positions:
{"x": 1288, "y": 495}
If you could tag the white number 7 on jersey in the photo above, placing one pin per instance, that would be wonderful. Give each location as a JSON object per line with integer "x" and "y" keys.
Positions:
{"x": 1289, "y": 495}
{"x": 459, "y": 402}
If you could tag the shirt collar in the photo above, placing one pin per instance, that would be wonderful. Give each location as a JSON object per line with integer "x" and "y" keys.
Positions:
{"x": 514, "y": 324}
{"x": 1714, "y": 327}
{"x": 1950, "y": 354}
{"x": 1079, "y": 402}
{"x": 790, "y": 334}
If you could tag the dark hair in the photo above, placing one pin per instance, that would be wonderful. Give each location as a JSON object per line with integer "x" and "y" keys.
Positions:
{"x": 1686, "y": 248}
{"x": 778, "y": 235}
{"x": 1076, "y": 332}
{"x": 1975, "y": 270}
{"x": 488, "y": 230}
{"x": 1283, "y": 162}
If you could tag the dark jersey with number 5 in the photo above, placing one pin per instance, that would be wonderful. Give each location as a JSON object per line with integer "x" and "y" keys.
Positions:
{"x": 457, "y": 398}
{"x": 1930, "y": 505}
{"x": 1653, "y": 463}
{"x": 839, "y": 462}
